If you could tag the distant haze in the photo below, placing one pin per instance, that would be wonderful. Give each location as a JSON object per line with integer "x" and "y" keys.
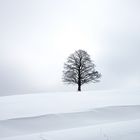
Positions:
{"x": 37, "y": 36}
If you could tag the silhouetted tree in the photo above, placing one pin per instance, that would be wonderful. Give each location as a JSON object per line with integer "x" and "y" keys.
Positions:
{"x": 79, "y": 69}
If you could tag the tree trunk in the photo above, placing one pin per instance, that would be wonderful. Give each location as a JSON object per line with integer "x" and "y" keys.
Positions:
{"x": 79, "y": 79}
{"x": 79, "y": 87}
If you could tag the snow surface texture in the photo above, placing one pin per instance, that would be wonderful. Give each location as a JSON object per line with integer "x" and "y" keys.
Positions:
{"x": 106, "y": 115}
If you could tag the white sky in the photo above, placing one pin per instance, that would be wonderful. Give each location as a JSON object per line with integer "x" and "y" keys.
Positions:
{"x": 37, "y": 36}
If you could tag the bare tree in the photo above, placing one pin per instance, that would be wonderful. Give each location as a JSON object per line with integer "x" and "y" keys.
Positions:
{"x": 79, "y": 69}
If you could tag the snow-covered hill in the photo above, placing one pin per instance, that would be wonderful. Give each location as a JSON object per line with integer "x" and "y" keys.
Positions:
{"x": 126, "y": 130}
{"x": 106, "y": 115}
{"x": 17, "y": 106}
